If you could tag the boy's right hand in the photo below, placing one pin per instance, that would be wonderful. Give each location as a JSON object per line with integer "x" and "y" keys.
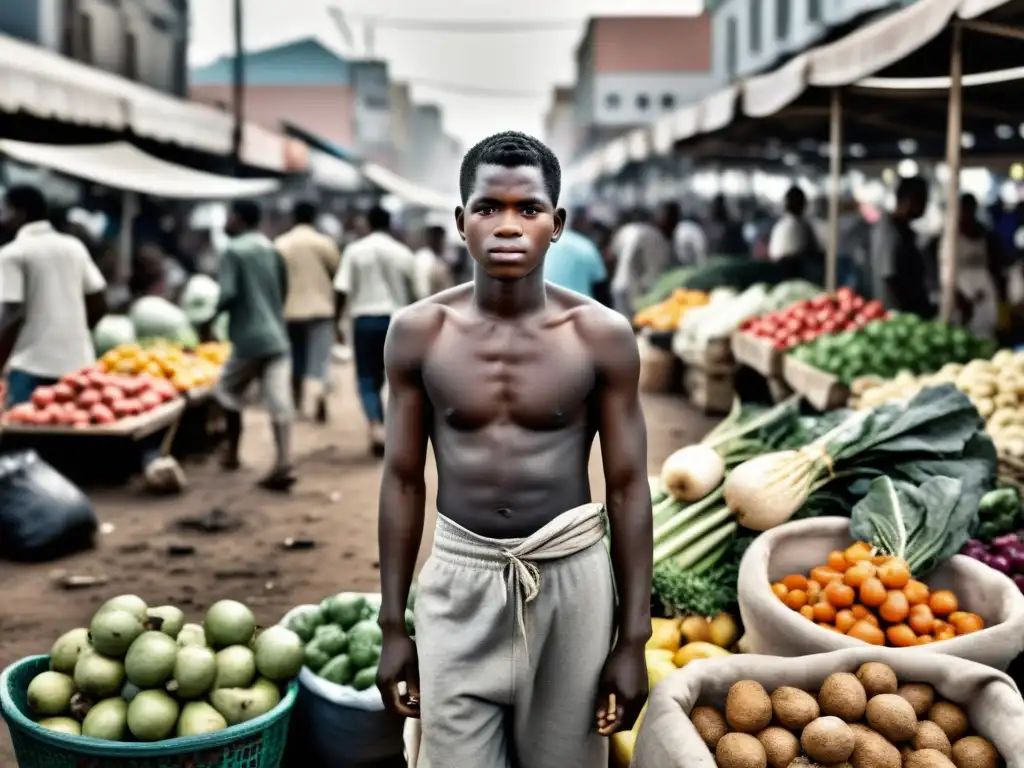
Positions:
{"x": 398, "y": 669}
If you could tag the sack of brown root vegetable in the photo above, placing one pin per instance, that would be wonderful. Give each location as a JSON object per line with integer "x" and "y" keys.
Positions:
{"x": 856, "y": 708}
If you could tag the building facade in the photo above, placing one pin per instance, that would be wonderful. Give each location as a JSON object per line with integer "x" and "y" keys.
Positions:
{"x": 753, "y": 36}
{"x": 141, "y": 40}
{"x": 631, "y": 70}
{"x": 302, "y": 82}
{"x": 559, "y": 126}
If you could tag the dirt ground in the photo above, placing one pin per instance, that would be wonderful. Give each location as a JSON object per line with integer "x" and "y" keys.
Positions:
{"x": 145, "y": 551}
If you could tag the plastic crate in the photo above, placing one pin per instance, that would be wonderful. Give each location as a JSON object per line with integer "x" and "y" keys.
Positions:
{"x": 259, "y": 743}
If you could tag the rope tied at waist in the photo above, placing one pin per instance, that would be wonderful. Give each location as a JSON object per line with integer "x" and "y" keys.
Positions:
{"x": 569, "y": 533}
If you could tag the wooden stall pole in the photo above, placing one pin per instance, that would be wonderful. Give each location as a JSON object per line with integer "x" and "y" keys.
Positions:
{"x": 954, "y": 130}
{"x": 835, "y": 172}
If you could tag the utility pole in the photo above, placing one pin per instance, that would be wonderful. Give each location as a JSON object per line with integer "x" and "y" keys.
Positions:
{"x": 238, "y": 89}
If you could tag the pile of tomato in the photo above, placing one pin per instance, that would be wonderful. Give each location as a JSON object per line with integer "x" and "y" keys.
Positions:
{"x": 91, "y": 397}
{"x": 807, "y": 320}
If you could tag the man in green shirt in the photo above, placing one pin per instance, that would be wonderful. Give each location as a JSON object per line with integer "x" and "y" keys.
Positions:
{"x": 253, "y": 284}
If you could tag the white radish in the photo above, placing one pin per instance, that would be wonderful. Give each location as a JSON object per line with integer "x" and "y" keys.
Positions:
{"x": 767, "y": 490}
{"x": 691, "y": 473}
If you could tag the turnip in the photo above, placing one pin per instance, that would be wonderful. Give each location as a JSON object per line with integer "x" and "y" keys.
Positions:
{"x": 691, "y": 473}
{"x": 767, "y": 490}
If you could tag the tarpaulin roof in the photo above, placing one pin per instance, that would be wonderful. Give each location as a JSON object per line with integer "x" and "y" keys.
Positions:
{"x": 122, "y": 166}
{"x": 407, "y": 191}
{"x": 47, "y": 85}
{"x": 791, "y": 103}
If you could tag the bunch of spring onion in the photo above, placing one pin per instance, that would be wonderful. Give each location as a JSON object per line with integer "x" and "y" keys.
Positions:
{"x": 939, "y": 429}
{"x": 692, "y": 524}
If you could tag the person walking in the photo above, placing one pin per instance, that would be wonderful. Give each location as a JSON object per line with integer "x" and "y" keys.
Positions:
{"x": 312, "y": 259}
{"x": 793, "y": 235}
{"x": 898, "y": 270}
{"x": 433, "y": 273}
{"x": 253, "y": 286}
{"x": 53, "y": 296}
{"x": 376, "y": 279}
{"x": 523, "y": 655}
{"x": 574, "y": 262}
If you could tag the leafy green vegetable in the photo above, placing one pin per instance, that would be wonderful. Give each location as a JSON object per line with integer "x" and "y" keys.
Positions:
{"x": 919, "y": 524}
{"x": 998, "y": 513}
{"x": 707, "y": 588}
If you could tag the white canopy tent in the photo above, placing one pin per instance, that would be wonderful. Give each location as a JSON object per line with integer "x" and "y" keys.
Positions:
{"x": 408, "y": 192}
{"x": 123, "y": 166}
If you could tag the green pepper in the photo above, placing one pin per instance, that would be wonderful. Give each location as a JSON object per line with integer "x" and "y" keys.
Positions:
{"x": 330, "y": 638}
{"x": 338, "y": 670}
{"x": 998, "y": 513}
{"x": 315, "y": 657}
{"x": 305, "y": 623}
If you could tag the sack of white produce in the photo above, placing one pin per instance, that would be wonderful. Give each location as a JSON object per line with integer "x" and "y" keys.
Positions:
{"x": 340, "y": 717}
{"x": 671, "y": 733}
{"x": 796, "y": 547}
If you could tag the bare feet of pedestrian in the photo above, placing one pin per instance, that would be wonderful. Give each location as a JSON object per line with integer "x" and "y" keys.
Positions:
{"x": 280, "y": 479}
{"x": 377, "y": 440}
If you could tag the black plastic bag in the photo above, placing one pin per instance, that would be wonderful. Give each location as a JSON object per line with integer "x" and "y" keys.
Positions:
{"x": 43, "y": 515}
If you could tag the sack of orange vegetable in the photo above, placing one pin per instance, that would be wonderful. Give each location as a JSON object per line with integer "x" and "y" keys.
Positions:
{"x": 808, "y": 587}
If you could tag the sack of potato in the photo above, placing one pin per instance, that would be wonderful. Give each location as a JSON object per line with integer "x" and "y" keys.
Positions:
{"x": 865, "y": 707}
{"x": 986, "y": 623}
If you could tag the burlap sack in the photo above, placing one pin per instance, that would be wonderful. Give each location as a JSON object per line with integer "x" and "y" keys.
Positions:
{"x": 667, "y": 738}
{"x": 772, "y": 628}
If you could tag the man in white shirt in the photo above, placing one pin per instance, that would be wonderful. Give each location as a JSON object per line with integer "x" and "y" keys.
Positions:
{"x": 376, "y": 279}
{"x": 643, "y": 252}
{"x": 53, "y": 295}
{"x": 793, "y": 235}
{"x": 312, "y": 260}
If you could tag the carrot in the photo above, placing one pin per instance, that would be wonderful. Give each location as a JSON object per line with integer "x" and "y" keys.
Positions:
{"x": 966, "y": 623}
{"x": 943, "y": 602}
{"x": 895, "y": 608}
{"x": 921, "y": 619}
{"x": 823, "y": 574}
{"x": 795, "y": 599}
{"x": 837, "y": 561}
{"x": 824, "y": 612}
{"x": 869, "y": 633}
{"x": 856, "y": 553}
{"x": 901, "y": 635}
{"x": 780, "y": 590}
{"x": 839, "y": 595}
{"x": 894, "y": 574}
{"x": 916, "y": 592}
{"x": 858, "y": 574}
{"x": 872, "y": 592}
{"x": 807, "y": 612}
{"x": 795, "y": 581}
{"x": 845, "y": 620}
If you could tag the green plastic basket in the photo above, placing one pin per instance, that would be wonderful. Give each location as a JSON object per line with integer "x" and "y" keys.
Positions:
{"x": 259, "y": 743}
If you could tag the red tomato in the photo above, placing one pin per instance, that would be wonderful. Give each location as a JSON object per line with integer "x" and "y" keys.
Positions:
{"x": 121, "y": 408}
{"x": 43, "y": 396}
{"x": 857, "y": 303}
{"x": 79, "y": 419}
{"x": 808, "y": 336}
{"x": 134, "y": 406}
{"x": 88, "y": 398}
{"x": 111, "y": 394}
{"x": 822, "y": 301}
{"x": 829, "y": 327}
{"x": 165, "y": 389}
{"x": 845, "y": 294}
{"x": 63, "y": 393}
{"x": 21, "y": 413}
{"x": 101, "y": 414}
{"x": 842, "y": 317}
{"x": 874, "y": 309}
{"x": 794, "y": 325}
{"x": 97, "y": 379}
{"x": 149, "y": 400}
{"x": 41, "y": 418}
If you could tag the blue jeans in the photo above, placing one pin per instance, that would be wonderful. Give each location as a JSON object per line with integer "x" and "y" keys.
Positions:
{"x": 311, "y": 343}
{"x": 21, "y": 385}
{"x": 368, "y": 334}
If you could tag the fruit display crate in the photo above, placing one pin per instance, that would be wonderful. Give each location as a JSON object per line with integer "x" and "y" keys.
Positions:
{"x": 711, "y": 390}
{"x": 133, "y": 427}
{"x": 715, "y": 356}
{"x": 757, "y": 353}
{"x": 822, "y": 390}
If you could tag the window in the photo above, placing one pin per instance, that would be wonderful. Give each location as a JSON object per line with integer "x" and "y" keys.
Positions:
{"x": 668, "y": 100}
{"x": 814, "y": 10}
{"x": 731, "y": 53}
{"x": 612, "y": 101}
{"x": 755, "y": 26}
{"x": 643, "y": 102}
{"x": 782, "y": 19}
{"x": 131, "y": 59}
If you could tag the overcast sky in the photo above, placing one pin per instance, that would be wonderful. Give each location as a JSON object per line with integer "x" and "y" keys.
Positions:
{"x": 531, "y": 62}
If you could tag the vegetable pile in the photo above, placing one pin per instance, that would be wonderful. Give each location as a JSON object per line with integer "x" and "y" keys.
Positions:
{"x": 675, "y": 643}
{"x": 866, "y": 719}
{"x": 728, "y": 311}
{"x": 164, "y": 360}
{"x": 901, "y": 343}
{"x": 995, "y": 386}
{"x": 1005, "y": 553}
{"x": 92, "y": 397}
{"x": 343, "y": 640}
{"x": 806, "y": 320}
{"x": 665, "y": 315}
{"x": 140, "y": 673}
{"x": 872, "y": 597}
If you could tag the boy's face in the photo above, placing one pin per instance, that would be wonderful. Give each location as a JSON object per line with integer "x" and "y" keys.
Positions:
{"x": 509, "y": 220}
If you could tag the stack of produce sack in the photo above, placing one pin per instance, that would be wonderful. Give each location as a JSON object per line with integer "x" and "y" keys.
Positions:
{"x": 339, "y": 715}
{"x": 866, "y": 708}
{"x": 996, "y": 387}
{"x": 143, "y": 674}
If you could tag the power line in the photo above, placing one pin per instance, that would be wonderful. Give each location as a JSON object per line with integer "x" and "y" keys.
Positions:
{"x": 472, "y": 90}
{"x": 496, "y": 26}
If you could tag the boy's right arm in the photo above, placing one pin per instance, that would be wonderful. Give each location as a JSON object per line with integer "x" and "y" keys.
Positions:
{"x": 402, "y": 499}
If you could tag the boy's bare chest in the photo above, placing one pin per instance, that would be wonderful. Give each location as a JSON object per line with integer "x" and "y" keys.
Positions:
{"x": 536, "y": 379}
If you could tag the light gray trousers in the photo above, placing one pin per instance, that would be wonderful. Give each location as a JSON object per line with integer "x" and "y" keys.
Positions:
{"x": 512, "y": 635}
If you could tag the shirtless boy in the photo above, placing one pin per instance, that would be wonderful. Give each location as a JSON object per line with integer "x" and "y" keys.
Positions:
{"x": 523, "y": 655}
